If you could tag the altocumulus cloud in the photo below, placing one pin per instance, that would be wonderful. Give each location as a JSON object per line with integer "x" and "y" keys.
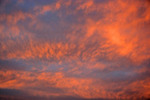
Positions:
{"x": 74, "y": 49}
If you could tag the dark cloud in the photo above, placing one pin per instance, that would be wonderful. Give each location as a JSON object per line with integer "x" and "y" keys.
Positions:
{"x": 14, "y": 65}
{"x": 14, "y": 94}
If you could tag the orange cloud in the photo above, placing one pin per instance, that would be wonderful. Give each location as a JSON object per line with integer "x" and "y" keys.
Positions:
{"x": 88, "y": 49}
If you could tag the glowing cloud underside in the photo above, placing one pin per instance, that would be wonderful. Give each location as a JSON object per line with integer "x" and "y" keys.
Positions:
{"x": 74, "y": 49}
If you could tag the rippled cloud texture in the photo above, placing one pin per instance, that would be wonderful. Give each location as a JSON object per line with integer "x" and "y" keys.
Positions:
{"x": 74, "y": 49}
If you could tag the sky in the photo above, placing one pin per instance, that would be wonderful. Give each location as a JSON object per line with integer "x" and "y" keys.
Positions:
{"x": 74, "y": 49}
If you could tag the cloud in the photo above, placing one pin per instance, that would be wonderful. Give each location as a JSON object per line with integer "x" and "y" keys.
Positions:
{"x": 80, "y": 49}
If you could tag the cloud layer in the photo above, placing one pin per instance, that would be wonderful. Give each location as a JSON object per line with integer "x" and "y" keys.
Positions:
{"x": 75, "y": 49}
